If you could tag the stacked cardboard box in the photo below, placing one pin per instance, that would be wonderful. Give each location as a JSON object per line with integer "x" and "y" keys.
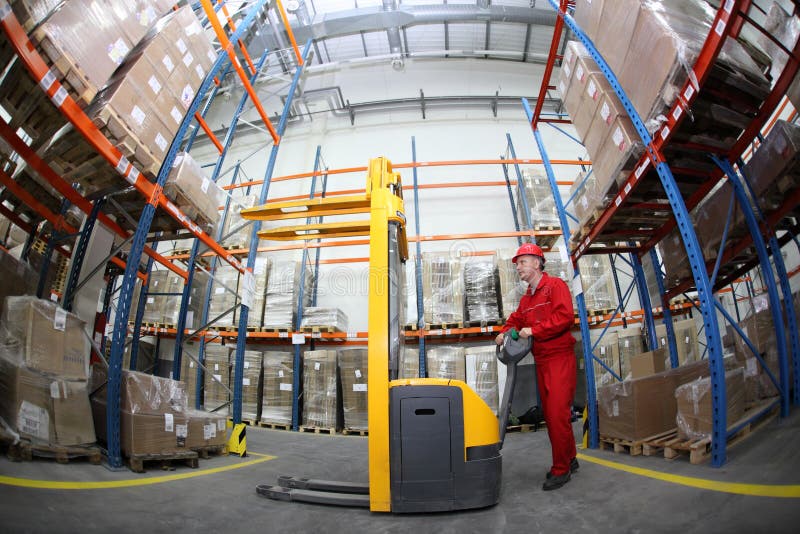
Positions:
{"x": 409, "y": 365}
{"x": 542, "y": 213}
{"x": 236, "y": 232}
{"x": 158, "y": 282}
{"x": 760, "y": 330}
{"x": 511, "y": 288}
{"x": 251, "y": 382}
{"x": 320, "y": 392}
{"x": 481, "y": 295}
{"x": 599, "y": 292}
{"x": 284, "y": 280}
{"x": 694, "y": 411}
{"x": 324, "y": 319}
{"x": 443, "y": 288}
{"x": 607, "y": 351}
{"x": 481, "y": 368}
{"x": 189, "y": 375}
{"x": 643, "y": 407}
{"x": 18, "y": 277}
{"x": 44, "y": 364}
{"x": 226, "y": 280}
{"x": 353, "y": 369}
{"x": 685, "y": 340}
{"x": 197, "y": 296}
{"x": 446, "y": 362}
{"x": 276, "y": 406}
{"x": 205, "y": 429}
{"x": 197, "y": 196}
{"x": 217, "y": 379}
{"x": 631, "y": 343}
{"x": 255, "y": 317}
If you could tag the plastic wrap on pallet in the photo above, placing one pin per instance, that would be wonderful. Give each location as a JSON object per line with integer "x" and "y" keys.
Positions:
{"x": 353, "y": 372}
{"x": 785, "y": 29}
{"x": 226, "y": 279}
{"x": 607, "y": 352}
{"x": 283, "y": 286}
{"x": 511, "y": 288}
{"x": 41, "y": 407}
{"x": 539, "y": 196}
{"x": 673, "y": 255}
{"x": 481, "y": 293}
{"x": 481, "y": 371}
{"x": 276, "y": 404}
{"x": 443, "y": 288}
{"x": 196, "y": 195}
{"x": 18, "y": 277}
{"x": 250, "y": 382}
{"x": 409, "y": 308}
{"x": 205, "y": 429}
{"x": 686, "y": 342}
{"x": 409, "y": 364}
{"x": 319, "y": 389}
{"x": 334, "y": 318}
{"x": 149, "y": 394}
{"x": 446, "y": 362}
{"x": 774, "y": 169}
{"x": 49, "y": 339}
{"x": 599, "y": 292}
{"x": 255, "y": 317}
{"x": 216, "y": 379}
{"x": 189, "y": 374}
{"x": 154, "y": 306}
{"x": 631, "y": 343}
{"x": 558, "y": 264}
{"x": 236, "y": 231}
{"x": 695, "y": 414}
{"x": 29, "y": 13}
{"x": 145, "y": 357}
{"x": 760, "y": 330}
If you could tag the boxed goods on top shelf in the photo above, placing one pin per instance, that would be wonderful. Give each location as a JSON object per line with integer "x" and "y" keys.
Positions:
{"x": 481, "y": 294}
{"x": 284, "y": 279}
{"x": 324, "y": 319}
{"x": 197, "y": 196}
{"x": 443, "y": 288}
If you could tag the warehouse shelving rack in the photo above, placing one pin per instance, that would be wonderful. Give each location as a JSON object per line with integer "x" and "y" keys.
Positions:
{"x": 151, "y": 192}
{"x": 730, "y": 17}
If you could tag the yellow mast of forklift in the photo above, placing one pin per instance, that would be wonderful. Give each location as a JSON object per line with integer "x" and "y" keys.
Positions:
{"x": 388, "y": 248}
{"x": 434, "y": 445}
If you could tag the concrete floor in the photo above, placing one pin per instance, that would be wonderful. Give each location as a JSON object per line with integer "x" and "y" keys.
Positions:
{"x": 600, "y": 498}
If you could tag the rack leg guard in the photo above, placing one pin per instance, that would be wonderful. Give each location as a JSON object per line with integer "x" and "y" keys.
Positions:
{"x": 237, "y": 443}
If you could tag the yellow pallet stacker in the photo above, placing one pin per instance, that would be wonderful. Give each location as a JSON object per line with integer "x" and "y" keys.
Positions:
{"x": 434, "y": 445}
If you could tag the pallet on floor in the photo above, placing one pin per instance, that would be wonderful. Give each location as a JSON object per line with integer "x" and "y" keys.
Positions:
{"x": 355, "y": 432}
{"x": 633, "y": 447}
{"x": 137, "y": 462}
{"x": 524, "y": 428}
{"x": 275, "y": 426}
{"x": 206, "y": 452}
{"x": 24, "y": 450}
{"x": 318, "y": 430}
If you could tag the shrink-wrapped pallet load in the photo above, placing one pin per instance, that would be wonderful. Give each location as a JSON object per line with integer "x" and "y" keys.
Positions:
{"x": 320, "y": 392}
{"x": 283, "y": 290}
{"x": 193, "y": 192}
{"x": 443, "y": 289}
{"x": 353, "y": 370}
{"x": 251, "y": 382}
{"x": 481, "y": 371}
{"x": 446, "y": 362}
{"x": 276, "y": 402}
{"x": 481, "y": 294}
{"x": 217, "y": 379}
{"x": 319, "y": 319}
{"x": 223, "y": 298}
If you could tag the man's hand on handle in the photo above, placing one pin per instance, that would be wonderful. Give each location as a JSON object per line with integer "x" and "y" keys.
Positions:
{"x": 524, "y": 333}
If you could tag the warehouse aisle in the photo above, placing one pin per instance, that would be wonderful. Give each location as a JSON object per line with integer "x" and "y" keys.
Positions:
{"x": 600, "y": 498}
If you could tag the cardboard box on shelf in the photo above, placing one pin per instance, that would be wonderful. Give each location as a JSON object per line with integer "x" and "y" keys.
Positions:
{"x": 647, "y": 363}
{"x": 353, "y": 371}
{"x": 596, "y": 87}
{"x": 588, "y": 14}
{"x": 205, "y": 429}
{"x": 142, "y": 433}
{"x": 615, "y": 31}
{"x": 694, "y": 406}
{"x": 637, "y": 409}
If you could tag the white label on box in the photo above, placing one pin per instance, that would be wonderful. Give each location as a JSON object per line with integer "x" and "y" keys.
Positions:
{"x": 577, "y": 286}
{"x": 150, "y": 300}
{"x": 187, "y": 59}
{"x": 248, "y": 289}
{"x": 280, "y": 373}
{"x": 686, "y": 340}
{"x": 627, "y": 343}
{"x": 358, "y": 373}
{"x": 193, "y": 28}
{"x": 212, "y": 57}
{"x": 216, "y": 367}
{"x": 33, "y": 420}
{"x": 161, "y": 142}
{"x": 484, "y": 366}
{"x": 567, "y": 70}
{"x": 298, "y": 339}
{"x": 220, "y": 425}
{"x": 579, "y": 72}
{"x": 169, "y": 422}
{"x": 154, "y": 85}
{"x": 219, "y": 290}
{"x": 191, "y": 364}
{"x": 187, "y": 95}
{"x": 316, "y": 366}
{"x": 751, "y": 369}
{"x": 199, "y": 70}
{"x": 54, "y": 393}
{"x": 182, "y": 431}
{"x": 176, "y": 115}
{"x": 168, "y": 64}
{"x": 247, "y": 365}
{"x": 218, "y": 378}
{"x": 615, "y": 408}
{"x": 663, "y": 341}
{"x": 109, "y": 329}
{"x": 285, "y": 387}
{"x": 138, "y": 115}
{"x": 605, "y": 111}
{"x": 562, "y": 87}
{"x": 181, "y": 46}
{"x": 118, "y": 50}
{"x": 359, "y": 387}
{"x": 209, "y": 431}
{"x": 618, "y": 138}
{"x": 189, "y": 315}
{"x": 245, "y": 381}
{"x": 602, "y": 350}
{"x": 60, "y": 319}
{"x": 204, "y": 184}
{"x": 591, "y": 90}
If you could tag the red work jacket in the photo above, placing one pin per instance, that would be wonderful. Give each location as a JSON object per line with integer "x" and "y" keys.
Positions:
{"x": 548, "y": 312}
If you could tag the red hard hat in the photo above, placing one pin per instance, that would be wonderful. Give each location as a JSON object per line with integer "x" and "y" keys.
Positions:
{"x": 527, "y": 248}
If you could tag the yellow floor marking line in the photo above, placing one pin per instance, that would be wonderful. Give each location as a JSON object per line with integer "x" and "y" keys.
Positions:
{"x": 758, "y": 490}
{"x": 127, "y": 483}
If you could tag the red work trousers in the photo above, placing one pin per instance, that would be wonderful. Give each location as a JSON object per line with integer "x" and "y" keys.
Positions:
{"x": 556, "y": 377}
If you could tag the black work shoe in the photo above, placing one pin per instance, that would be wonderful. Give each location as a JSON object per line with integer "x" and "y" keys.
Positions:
{"x": 555, "y": 481}
{"x": 573, "y": 466}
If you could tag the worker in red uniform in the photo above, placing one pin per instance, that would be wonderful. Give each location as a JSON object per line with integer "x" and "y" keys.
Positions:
{"x": 545, "y": 313}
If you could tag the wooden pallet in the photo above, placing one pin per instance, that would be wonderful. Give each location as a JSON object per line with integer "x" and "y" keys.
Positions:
{"x": 524, "y": 428}
{"x": 223, "y": 328}
{"x": 444, "y": 326}
{"x": 632, "y": 447}
{"x": 411, "y": 327}
{"x": 65, "y": 69}
{"x": 355, "y": 432}
{"x": 484, "y": 323}
{"x": 137, "y": 462}
{"x": 318, "y": 430}
{"x": 599, "y": 312}
{"x": 24, "y": 450}
{"x": 254, "y": 329}
{"x": 206, "y": 452}
{"x": 279, "y": 330}
{"x": 116, "y": 129}
{"x": 275, "y": 426}
{"x": 321, "y": 328}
